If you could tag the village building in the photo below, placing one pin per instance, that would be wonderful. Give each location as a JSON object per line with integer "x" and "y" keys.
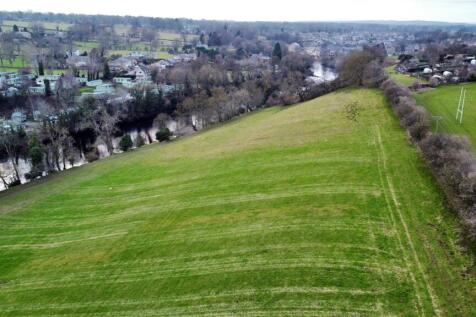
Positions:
{"x": 140, "y": 72}
{"x": 122, "y": 64}
{"x": 124, "y": 81}
{"x": 11, "y": 92}
{"x": 37, "y": 90}
{"x": 77, "y": 61}
{"x": 94, "y": 83}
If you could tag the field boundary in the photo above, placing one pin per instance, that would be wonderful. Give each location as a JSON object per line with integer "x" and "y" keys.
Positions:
{"x": 389, "y": 185}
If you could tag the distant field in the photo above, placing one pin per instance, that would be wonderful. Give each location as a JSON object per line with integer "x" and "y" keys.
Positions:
{"x": 122, "y": 49}
{"x": 173, "y": 36}
{"x": 13, "y": 66}
{"x": 402, "y": 79}
{"x": 158, "y": 54}
{"x": 295, "y": 211}
{"x": 123, "y": 29}
{"x": 443, "y": 101}
{"x": 18, "y": 62}
{"x": 85, "y": 46}
{"x": 86, "y": 89}
{"x": 57, "y": 71}
{"x": 47, "y": 25}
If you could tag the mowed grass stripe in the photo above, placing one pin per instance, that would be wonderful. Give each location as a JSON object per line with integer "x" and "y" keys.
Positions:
{"x": 288, "y": 211}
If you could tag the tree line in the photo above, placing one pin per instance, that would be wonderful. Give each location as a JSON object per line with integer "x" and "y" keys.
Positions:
{"x": 450, "y": 158}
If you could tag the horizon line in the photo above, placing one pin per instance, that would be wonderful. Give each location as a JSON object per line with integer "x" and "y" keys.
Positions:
{"x": 248, "y": 21}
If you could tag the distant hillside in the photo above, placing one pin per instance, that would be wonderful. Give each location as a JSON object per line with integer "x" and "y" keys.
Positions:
{"x": 318, "y": 209}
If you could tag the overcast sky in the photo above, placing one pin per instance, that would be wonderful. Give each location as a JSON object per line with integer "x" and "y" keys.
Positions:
{"x": 275, "y": 10}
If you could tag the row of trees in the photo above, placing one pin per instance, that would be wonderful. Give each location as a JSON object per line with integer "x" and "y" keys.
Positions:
{"x": 61, "y": 140}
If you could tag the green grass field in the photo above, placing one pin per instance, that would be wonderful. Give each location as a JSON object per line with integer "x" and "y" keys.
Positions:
{"x": 8, "y": 25}
{"x": 86, "y": 89}
{"x": 122, "y": 50}
{"x": 402, "y": 79}
{"x": 85, "y": 46}
{"x": 13, "y": 65}
{"x": 443, "y": 101}
{"x": 294, "y": 211}
{"x": 158, "y": 54}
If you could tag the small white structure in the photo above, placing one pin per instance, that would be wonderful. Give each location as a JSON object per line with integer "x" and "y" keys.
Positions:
{"x": 124, "y": 81}
{"x": 141, "y": 74}
{"x": 94, "y": 83}
{"x": 447, "y": 74}
{"x": 53, "y": 79}
{"x": 18, "y": 117}
{"x": 294, "y": 47}
{"x": 427, "y": 71}
{"x": 104, "y": 89}
{"x": 121, "y": 80}
{"x": 11, "y": 91}
{"x": 473, "y": 62}
{"x": 37, "y": 90}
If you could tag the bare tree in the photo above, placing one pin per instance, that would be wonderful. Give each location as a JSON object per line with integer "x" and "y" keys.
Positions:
{"x": 104, "y": 124}
{"x": 53, "y": 137}
{"x": 9, "y": 143}
{"x": 66, "y": 91}
{"x": 149, "y": 35}
{"x": 3, "y": 179}
{"x": 7, "y": 47}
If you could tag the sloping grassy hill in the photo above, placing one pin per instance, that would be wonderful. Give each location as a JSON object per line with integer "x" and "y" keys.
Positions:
{"x": 443, "y": 101}
{"x": 288, "y": 211}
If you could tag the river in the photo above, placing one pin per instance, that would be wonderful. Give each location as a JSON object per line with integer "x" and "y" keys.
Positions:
{"x": 322, "y": 74}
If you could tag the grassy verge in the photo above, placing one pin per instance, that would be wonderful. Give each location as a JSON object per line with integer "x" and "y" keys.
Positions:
{"x": 402, "y": 79}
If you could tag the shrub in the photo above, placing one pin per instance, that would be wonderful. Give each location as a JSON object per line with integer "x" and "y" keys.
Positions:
{"x": 92, "y": 155}
{"x": 126, "y": 143}
{"x": 163, "y": 135}
{"x": 14, "y": 183}
{"x": 451, "y": 158}
{"x": 414, "y": 118}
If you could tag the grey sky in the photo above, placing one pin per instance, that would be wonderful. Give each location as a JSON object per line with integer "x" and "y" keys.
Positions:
{"x": 276, "y": 10}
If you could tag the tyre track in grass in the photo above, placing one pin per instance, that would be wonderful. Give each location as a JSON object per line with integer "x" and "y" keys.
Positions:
{"x": 388, "y": 185}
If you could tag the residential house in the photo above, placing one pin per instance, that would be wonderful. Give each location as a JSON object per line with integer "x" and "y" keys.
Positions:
{"x": 11, "y": 92}
{"x": 76, "y": 61}
{"x": 94, "y": 83}
{"x": 104, "y": 89}
{"x": 13, "y": 79}
{"x": 23, "y": 35}
{"x": 140, "y": 72}
{"x": 37, "y": 90}
{"x": 161, "y": 65}
{"x": 18, "y": 117}
{"x": 53, "y": 79}
{"x": 168, "y": 89}
{"x": 122, "y": 64}
{"x": 124, "y": 81}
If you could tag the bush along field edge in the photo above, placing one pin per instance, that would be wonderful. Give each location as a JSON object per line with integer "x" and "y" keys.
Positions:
{"x": 450, "y": 158}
